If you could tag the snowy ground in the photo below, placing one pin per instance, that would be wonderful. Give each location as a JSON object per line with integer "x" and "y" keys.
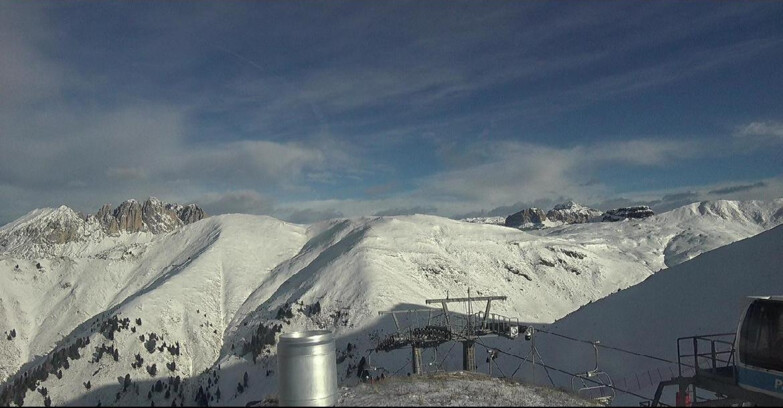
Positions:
{"x": 456, "y": 390}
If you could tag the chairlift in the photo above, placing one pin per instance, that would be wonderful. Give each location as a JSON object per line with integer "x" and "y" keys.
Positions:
{"x": 594, "y": 384}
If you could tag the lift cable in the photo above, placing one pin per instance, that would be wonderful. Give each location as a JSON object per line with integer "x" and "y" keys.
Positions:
{"x": 568, "y": 373}
{"x": 614, "y": 348}
{"x": 403, "y": 366}
{"x": 447, "y": 355}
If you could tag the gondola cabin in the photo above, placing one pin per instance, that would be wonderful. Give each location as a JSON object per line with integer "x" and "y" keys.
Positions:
{"x": 759, "y": 346}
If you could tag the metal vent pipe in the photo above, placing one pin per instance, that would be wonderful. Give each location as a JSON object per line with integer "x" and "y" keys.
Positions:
{"x": 307, "y": 368}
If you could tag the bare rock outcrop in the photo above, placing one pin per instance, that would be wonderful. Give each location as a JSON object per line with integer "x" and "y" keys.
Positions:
{"x": 154, "y": 216}
{"x": 188, "y": 214}
{"x": 105, "y": 217}
{"x": 619, "y": 214}
{"x": 573, "y": 213}
{"x": 527, "y": 216}
{"x": 128, "y": 216}
{"x": 158, "y": 218}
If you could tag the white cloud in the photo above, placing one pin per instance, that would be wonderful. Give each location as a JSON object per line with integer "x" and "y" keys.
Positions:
{"x": 240, "y": 201}
{"x": 502, "y": 173}
{"x": 768, "y": 131}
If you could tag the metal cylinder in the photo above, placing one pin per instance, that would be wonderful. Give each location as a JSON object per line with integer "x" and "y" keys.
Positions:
{"x": 307, "y": 368}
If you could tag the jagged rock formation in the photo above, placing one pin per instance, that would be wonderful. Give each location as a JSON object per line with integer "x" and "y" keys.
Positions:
{"x": 159, "y": 218}
{"x": 572, "y": 213}
{"x": 566, "y": 213}
{"x": 619, "y": 214}
{"x": 527, "y": 216}
{"x": 105, "y": 217}
{"x": 153, "y": 216}
{"x": 128, "y": 216}
{"x": 41, "y": 230}
{"x": 188, "y": 214}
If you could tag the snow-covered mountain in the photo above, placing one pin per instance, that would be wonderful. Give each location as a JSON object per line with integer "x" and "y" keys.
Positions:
{"x": 61, "y": 231}
{"x": 204, "y": 301}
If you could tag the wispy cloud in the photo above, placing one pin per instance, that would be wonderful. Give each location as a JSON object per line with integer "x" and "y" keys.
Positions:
{"x": 241, "y": 201}
{"x": 506, "y": 172}
{"x": 763, "y": 132}
{"x": 738, "y": 188}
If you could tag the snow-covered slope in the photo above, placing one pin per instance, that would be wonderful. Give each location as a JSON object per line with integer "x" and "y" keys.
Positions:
{"x": 676, "y": 236}
{"x": 498, "y": 220}
{"x": 701, "y": 296}
{"x": 220, "y": 286}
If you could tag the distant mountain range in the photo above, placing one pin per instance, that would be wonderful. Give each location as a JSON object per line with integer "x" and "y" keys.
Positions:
{"x": 569, "y": 212}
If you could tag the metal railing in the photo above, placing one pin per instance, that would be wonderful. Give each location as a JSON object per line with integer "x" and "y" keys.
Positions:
{"x": 714, "y": 350}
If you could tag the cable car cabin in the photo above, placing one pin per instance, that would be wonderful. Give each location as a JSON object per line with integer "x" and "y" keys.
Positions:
{"x": 759, "y": 348}
{"x": 745, "y": 366}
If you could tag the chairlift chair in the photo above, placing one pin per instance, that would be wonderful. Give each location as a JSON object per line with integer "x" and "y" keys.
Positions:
{"x": 594, "y": 384}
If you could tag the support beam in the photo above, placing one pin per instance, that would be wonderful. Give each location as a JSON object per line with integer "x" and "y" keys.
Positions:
{"x": 486, "y": 315}
{"x": 446, "y": 314}
{"x": 465, "y": 299}
{"x": 416, "y": 360}
{"x": 469, "y": 355}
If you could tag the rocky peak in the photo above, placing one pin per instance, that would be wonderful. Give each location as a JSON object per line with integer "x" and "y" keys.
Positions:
{"x": 568, "y": 205}
{"x": 41, "y": 229}
{"x": 154, "y": 216}
{"x": 128, "y": 216}
{"x": 158, "y": 218}
{"x": 619, "y": 214}
{"x": 527, "y": 216}
{"x": 571, "y": 212}
{"x": 105, "y": 217}
{"x": 190, "y": 213}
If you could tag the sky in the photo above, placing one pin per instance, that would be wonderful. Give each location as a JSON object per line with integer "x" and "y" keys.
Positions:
{"x": 308, "y": 110}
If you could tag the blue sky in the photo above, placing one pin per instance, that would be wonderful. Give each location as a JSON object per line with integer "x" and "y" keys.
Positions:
{"x": 310, "y": 110}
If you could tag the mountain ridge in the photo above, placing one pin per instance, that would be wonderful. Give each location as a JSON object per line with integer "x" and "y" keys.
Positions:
{"x": 38, "y": 232}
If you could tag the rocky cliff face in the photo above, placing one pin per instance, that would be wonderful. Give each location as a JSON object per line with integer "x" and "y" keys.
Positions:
{"x": 105, "y": 217}
{"x": 188, "y": 214}
{"x": 573, "y": 213}
{"x": 128, "y": 216}
{"x": 527, "y": 216}
{"x": 159, "y": 217}
{"x": 620, "y": 214}
{"x": 153, "y": 216}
